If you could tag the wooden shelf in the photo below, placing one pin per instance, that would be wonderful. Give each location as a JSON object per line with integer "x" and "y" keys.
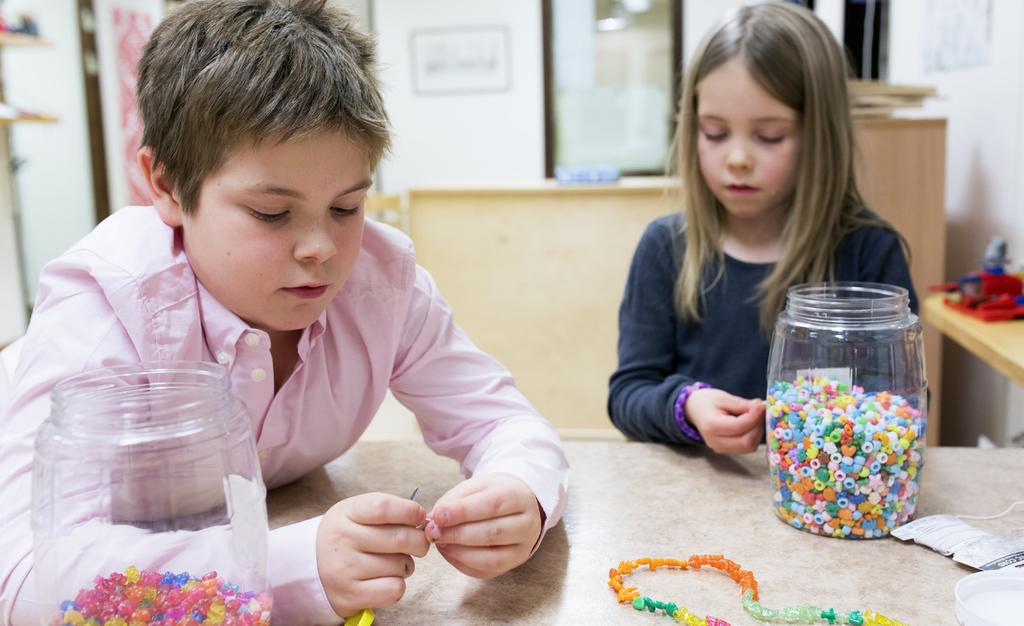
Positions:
{"x": 1000, "y": 344}
{"x": 19, "y": 39}
{"x": 37, "y": 119}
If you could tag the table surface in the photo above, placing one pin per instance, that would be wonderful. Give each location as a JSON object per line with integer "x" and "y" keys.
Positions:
{"x": 628, "y": 500}
{"x": 1000, "y": 344}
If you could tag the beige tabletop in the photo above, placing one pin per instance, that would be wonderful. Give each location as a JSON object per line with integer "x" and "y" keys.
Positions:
{"x": 629, "y": 500}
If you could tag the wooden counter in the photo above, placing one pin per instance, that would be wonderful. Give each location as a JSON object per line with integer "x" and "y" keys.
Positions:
{"x": 1000, "y": 344}
{"x": 629, "y": 500}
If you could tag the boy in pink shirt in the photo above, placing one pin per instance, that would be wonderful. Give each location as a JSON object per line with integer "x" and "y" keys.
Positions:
{"x": 263, "y": 124}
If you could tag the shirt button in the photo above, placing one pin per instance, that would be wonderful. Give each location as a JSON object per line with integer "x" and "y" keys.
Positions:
{"x": 252, "y": 339}
{"x": 258, "y": 374}
{"x": 222, "y": 358}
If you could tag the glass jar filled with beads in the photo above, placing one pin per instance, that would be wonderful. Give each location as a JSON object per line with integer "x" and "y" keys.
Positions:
{"x": 148, "y": 505}
{"x": 846, "y": 409}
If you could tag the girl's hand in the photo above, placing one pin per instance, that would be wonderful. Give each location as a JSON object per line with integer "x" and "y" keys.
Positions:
{"x": 364, "y": 550}
{"x": 728, "y": 423}
{"x": 486, "y": 525}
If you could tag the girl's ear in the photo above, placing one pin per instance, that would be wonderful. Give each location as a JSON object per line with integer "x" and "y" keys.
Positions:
{"x": 165, "y": 199}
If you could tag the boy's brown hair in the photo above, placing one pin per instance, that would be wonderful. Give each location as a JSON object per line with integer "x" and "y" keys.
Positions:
{"x": 218, "y": 72}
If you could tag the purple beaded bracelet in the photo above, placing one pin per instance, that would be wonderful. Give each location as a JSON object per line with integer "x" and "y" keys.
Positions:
{"x": 680, "y": 410}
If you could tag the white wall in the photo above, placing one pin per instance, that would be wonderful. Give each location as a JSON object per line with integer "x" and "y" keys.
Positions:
{"x": 984, "y": 190}
{"x": 55, "y": 182}
{"x": 467, "y": 138}
{"x": 360, "y": 9}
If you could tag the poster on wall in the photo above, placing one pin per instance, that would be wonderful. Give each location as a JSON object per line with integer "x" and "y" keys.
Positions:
{"x": 957, "y": 34}
{"x": 122, "y": 29}
{"x": 471, "y": 59}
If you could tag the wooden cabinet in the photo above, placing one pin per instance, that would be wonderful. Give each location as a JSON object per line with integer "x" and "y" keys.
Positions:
{"x": 902, "y": 174}
{"x": 535, "y": 273}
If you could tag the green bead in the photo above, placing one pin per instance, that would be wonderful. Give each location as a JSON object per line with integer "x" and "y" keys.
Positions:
{"x": 671, "y": 609}
{"x": 856, "y": 618}
{"x": 638, "y": 603}
{"x": 829, "y": 615}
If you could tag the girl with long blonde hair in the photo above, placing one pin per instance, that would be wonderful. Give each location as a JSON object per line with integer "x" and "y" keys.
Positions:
{"x": 764, "y": 150}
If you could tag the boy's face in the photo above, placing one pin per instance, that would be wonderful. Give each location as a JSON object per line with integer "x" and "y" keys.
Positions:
{"x": 277, "y": 229}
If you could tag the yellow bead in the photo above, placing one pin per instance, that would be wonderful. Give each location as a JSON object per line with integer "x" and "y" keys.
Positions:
{"x": 871, "y": 618}
{"x": 73, "y": 617}
{"x": 131, "y": 574}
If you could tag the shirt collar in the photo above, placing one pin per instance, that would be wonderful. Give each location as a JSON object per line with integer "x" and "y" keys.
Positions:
{"x": 223, "y": 329}
{"x": 311, "y": 334}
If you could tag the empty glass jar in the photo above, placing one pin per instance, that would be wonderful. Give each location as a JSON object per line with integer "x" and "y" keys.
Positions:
{"x": 148, "y": 505}
{"x": 846, "y": 409}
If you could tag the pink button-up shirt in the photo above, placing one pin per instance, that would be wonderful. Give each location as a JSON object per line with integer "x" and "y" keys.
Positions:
{"x": 126, "y": 293}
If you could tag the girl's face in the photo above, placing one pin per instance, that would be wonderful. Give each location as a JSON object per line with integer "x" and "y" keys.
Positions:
{"x": 277, "y": 229}
{"x": 748, "y": 144}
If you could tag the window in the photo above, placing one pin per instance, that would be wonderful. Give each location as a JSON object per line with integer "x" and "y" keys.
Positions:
{"x": 611, "y": 83}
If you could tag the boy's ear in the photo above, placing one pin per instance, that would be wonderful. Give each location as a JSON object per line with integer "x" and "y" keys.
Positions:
{"x": 165, "y": 199}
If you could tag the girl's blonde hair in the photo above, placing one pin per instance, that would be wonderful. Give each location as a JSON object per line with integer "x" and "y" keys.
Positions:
{"x": 795, "y": 58}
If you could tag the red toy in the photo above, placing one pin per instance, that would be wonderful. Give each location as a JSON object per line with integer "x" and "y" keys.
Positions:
{"x": 990, "y": 295}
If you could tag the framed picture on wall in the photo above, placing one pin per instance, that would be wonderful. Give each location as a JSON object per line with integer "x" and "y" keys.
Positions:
{"x": 471, "y": 59}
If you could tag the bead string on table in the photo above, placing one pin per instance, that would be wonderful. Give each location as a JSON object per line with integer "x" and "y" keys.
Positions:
{"x": 748, "y": 590}
{"x": 811, "y": 613}
{"x": 679, "y": 613}
{"x": 135, "y": 598}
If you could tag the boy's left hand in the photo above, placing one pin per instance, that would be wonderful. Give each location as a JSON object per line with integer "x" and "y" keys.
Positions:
{"x": 486, "y": 525}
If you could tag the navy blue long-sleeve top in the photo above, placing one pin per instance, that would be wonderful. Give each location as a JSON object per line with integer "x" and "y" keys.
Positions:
{"x": 659, "y": 353}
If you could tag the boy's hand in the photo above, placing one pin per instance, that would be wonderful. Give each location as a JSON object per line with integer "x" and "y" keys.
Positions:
{"x": 364, "y": 549}
{"x": 728, "y": 423}
{"x": 486, "y": 525}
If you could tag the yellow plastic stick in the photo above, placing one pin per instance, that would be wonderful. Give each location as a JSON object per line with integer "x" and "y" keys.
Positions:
{"x": 362, "y": 618}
